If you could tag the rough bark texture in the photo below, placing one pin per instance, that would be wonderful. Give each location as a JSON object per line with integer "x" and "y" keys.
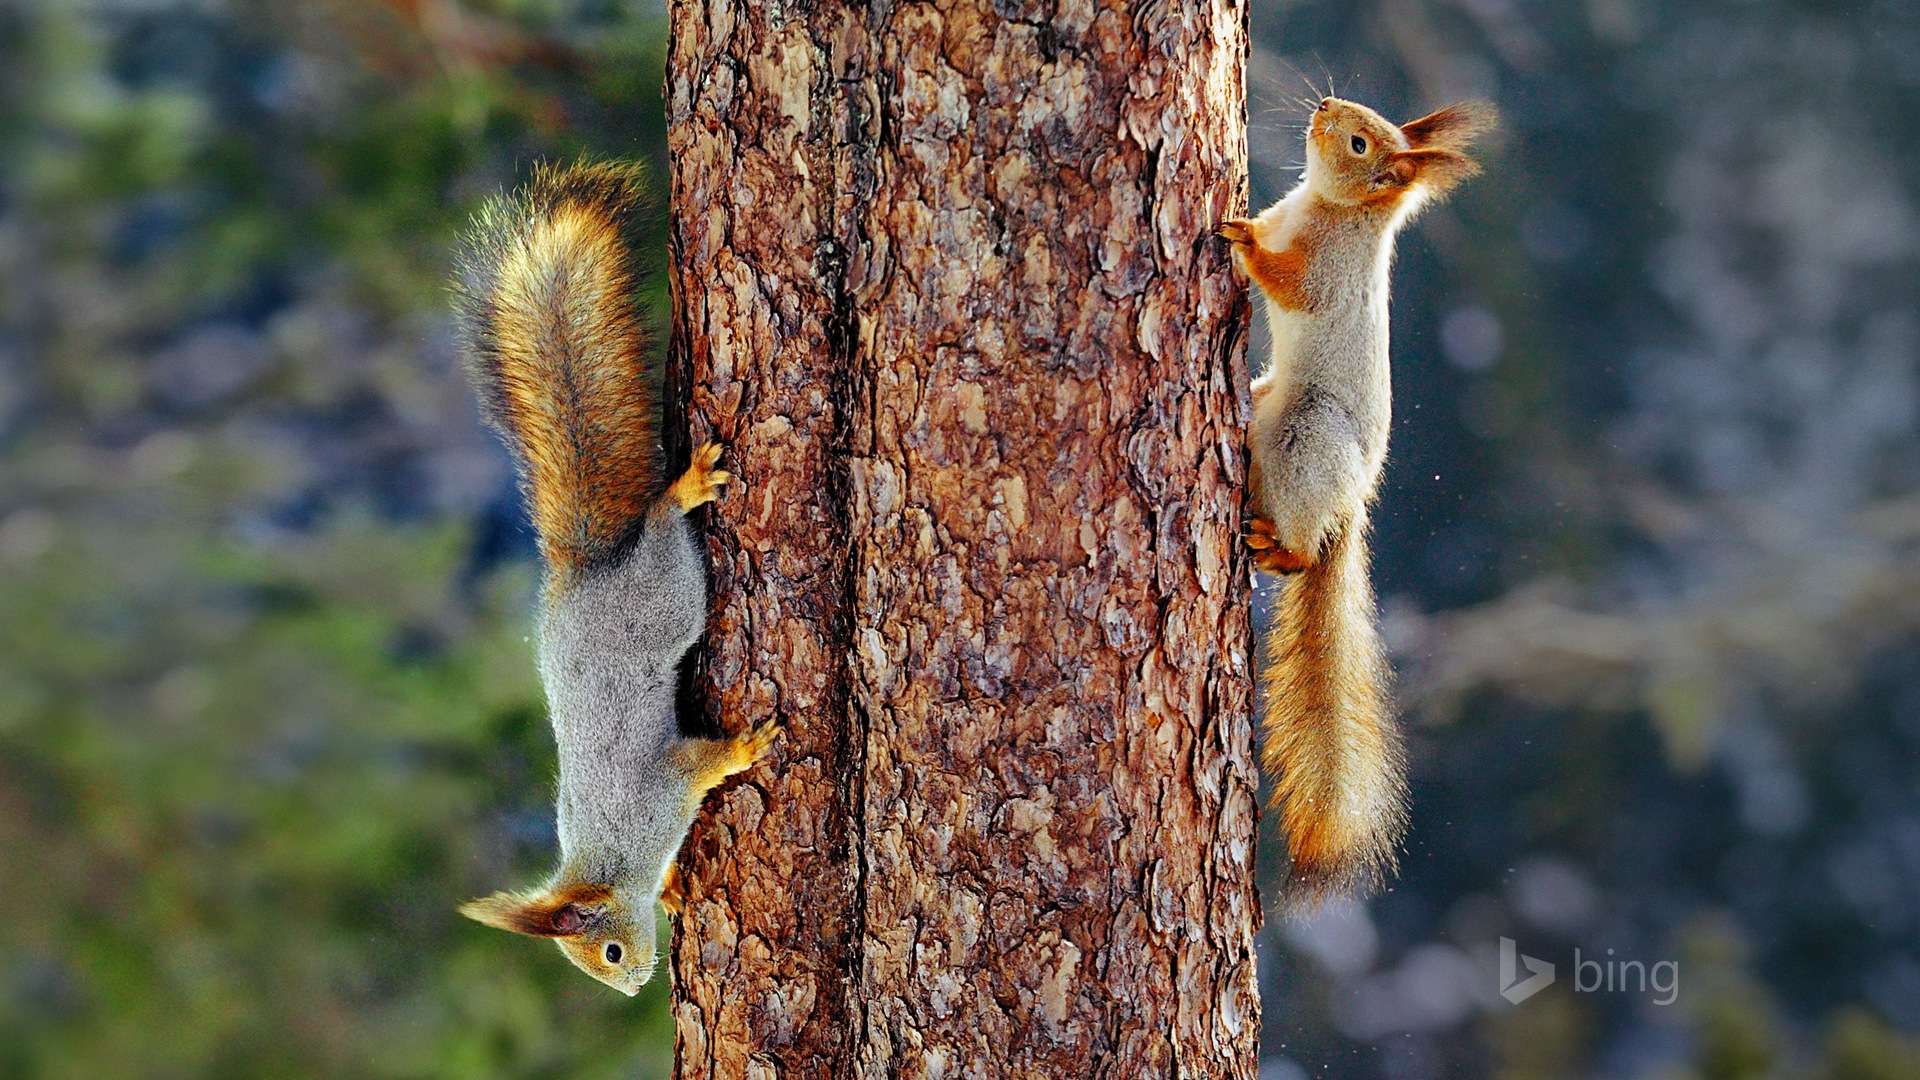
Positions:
{"x": 944, "y": 287}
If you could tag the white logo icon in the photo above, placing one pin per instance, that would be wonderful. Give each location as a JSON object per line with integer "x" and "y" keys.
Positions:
{"x": 1512, "y": 986}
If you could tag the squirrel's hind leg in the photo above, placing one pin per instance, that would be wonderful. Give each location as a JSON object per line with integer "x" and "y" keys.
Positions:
{"x": 664, "y": 580}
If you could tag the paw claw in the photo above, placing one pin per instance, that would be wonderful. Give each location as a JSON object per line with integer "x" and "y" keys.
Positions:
{"x": 1260, "y": 534}
{"x": 1235, "y": 231}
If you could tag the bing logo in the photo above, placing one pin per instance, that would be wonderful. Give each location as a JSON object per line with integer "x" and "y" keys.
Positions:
{"x": 1512, "y": 986}
{"x": 1589, "y": 976}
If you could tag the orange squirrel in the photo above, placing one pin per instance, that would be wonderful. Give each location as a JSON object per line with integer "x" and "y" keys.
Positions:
{"x": 1321, "y": 256}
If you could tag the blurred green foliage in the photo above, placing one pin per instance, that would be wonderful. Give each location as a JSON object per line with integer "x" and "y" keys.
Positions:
{"x": 250, "y": 782}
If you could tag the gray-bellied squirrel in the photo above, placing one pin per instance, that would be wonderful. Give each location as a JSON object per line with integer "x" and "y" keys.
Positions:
{"x": 1321, "y": 256}
{"x": 556, "y": 348}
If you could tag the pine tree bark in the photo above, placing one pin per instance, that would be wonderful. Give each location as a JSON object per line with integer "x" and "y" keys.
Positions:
{"x": 944, "y": 287}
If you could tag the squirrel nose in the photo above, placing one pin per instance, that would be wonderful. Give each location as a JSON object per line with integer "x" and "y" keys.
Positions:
{"x": 1324, "y": 102}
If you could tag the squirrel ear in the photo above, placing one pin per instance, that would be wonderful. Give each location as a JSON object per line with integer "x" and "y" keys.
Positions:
{"x": 1452, "y": 127}
{"x": 543, "y": 914}
{"x": 1437, "y": 170}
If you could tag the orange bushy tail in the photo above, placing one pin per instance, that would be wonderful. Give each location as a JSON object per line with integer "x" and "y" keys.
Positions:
{"x": 1331, "y": 742}
{"x": 548, "y": 319}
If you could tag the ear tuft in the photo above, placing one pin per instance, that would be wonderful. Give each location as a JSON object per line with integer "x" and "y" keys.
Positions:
{"x": 1452, "y": 128}
{"x": 518, "y": 913}
{"x": 547, "y": 913}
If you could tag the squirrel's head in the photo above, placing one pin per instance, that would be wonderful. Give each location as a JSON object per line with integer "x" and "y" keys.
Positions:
{"x": 1355, "y": 155}
{"x": 605, "y": 935}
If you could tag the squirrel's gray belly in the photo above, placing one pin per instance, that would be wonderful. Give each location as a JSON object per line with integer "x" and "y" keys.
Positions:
{"x": 1341, "y": 357}
{"x": 614, "y": 723}
{"x": 609, "y": 816}
{"x": 614, "y": 708}
{"x": 642, "y": 615}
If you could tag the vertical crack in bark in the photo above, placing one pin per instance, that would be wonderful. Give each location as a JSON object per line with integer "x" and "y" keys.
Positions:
{"x": 764, "y": 955}
{"x": 852, "y": 394}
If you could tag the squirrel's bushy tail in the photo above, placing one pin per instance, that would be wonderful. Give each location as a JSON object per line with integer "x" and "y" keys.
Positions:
{"x": 550, "y": 329}
{"x": 1331, "y": 743}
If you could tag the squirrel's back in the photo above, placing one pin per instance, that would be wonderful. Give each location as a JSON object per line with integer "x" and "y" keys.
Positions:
{"x": 557, "y": 347}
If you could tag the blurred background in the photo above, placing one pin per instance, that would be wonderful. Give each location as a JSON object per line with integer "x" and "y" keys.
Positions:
{"x": 1649, "y": 546}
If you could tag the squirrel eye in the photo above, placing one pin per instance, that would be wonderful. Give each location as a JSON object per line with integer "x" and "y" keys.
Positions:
{"x": 612, "y": 952}
{"x": 1359, "y": 144}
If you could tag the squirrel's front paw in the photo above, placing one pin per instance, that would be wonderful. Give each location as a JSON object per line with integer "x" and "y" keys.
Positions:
{"x": 701, "y": 483}
{"x": 753, "y": 745}
{"x": 707, "y": 762}
{"x": 1270, "y": 556}
{"x": 1237, "y": 231}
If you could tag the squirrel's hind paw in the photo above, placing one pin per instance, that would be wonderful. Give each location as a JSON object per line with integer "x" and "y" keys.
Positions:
{"x": 701, "y": 483}
{"x": 1270, "y": 556}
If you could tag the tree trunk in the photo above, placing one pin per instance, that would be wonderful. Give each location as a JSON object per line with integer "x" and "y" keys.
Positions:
{"x": 944, "y": 286}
